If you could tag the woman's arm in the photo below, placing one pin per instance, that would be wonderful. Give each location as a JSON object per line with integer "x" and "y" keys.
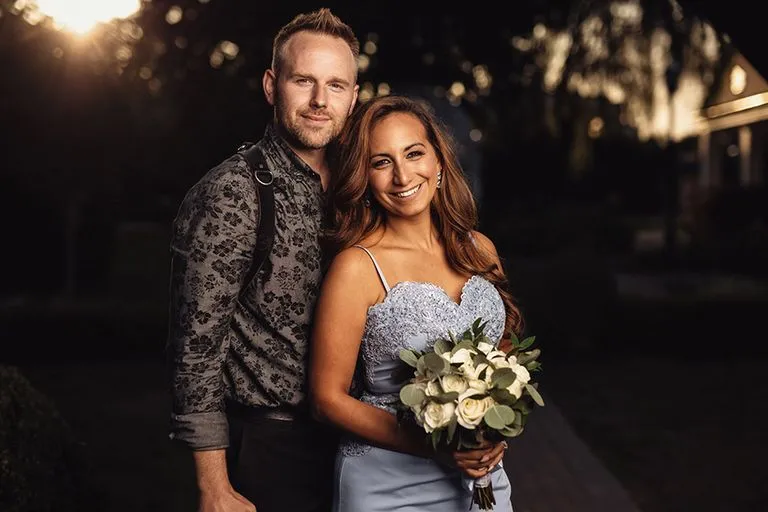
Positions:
{"x": 350, "y": 287}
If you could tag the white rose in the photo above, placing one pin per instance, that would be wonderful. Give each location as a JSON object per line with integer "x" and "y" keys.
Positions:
{"x": 478, "y": 385}
{"x": 497, "y": 354}
{"x": 521, "y": 372}
{"x": 516, "y": 388}
{"x": 461, "y": 356}
{"x": 484, "y": 347}
{"x": 437, "y": 415}
{"x": 472, "y": 407}
{"x": 433, "y": 388}
{"x": 472, "y": 375}
{"x": 500, "y": 362}
{"x": 452, "y": 382}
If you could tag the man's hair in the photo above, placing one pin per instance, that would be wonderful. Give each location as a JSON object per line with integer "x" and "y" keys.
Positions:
{"x": 321, "y": 21}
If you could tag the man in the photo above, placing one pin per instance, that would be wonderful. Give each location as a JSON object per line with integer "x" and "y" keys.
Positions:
{"x": 238, "y": 361}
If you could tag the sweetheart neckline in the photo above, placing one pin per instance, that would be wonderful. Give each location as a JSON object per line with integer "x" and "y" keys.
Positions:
{"x": 429, "y": 284}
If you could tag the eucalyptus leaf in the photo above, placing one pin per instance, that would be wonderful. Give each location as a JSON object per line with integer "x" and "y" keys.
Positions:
{"x": 513, "y": 339}
{"x": 442, "y": 346}
{"x": 502, "y": 396}
{"x": 511, "y": 430}
{"x": 421, "y": 366}
{"x": 446, "y": 397}
{"x": 435, "y": 363}
{"x": 412, "y": 395}
{"x": 479, "y": 359}
{"x": 503, "y": 378}
{"x": 533, "y": 366}
{"x": 526, "y": 357}
{"x": 535, "y": 394}
{"x": 409, "y": 357}
{"x": 467, "y": 344}
{"x": 499, "y": 416}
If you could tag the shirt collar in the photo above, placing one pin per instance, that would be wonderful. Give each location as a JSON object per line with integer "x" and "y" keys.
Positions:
{"x": 290, "y": 159}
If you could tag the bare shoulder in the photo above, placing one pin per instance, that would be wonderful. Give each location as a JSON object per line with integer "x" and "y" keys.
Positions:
{"x": 351, "y": 262}
{"x": 352, "y": 269}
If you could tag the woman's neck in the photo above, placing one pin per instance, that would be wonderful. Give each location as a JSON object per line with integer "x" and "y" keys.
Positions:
{"x": 419, "y": 233}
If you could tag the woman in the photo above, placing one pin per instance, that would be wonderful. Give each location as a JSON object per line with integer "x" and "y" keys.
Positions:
{"x": 409, "y": 269}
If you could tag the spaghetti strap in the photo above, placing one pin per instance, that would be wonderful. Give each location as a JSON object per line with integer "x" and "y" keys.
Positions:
{"x": 378, "y": 269}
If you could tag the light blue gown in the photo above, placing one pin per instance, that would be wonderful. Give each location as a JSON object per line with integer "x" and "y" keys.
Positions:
{"x": 412, "y": 315}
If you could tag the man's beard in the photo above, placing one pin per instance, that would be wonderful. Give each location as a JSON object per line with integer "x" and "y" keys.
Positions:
{"x": 301, "y": 136}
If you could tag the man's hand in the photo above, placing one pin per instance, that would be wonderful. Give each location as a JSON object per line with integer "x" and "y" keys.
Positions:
{"x": 224, "y": 501}
{"x": 216, "y": 493}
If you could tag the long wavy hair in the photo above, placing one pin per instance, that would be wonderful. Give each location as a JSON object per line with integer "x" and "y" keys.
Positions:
{"x": 351, "y": 218}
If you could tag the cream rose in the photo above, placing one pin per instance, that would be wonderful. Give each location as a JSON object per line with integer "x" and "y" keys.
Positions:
{"x": 437, "y": 415}
{"x": 484, "y": 347}
{"x": 462, "y": 356}
{"x": 521, "y": 372}
{"x": 472, "y": 375}
{"x": 472, "y": 408}
{"x": 433, "y": 388}
{"x": 516, "y": 388}
{"x": 452, "y": 382}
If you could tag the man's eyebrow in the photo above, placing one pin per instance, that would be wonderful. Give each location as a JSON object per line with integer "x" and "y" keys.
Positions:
{"x": 335, "y": 79}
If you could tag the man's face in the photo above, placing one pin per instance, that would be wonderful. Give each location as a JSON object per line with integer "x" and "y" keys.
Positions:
{"x": 315, "y": 91}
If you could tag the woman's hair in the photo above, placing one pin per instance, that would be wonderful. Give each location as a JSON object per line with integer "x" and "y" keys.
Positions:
{"x": 352, "y": 218}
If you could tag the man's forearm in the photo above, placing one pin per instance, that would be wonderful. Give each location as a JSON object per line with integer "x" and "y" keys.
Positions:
{"x": 211, "y": 470}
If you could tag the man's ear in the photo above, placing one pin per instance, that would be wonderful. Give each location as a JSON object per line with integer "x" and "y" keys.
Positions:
{"x": 354, "y": 99}
{"x": 268, "y": 83}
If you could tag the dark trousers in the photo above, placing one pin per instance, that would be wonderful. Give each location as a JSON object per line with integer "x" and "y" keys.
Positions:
{"x": 282, "y": 465}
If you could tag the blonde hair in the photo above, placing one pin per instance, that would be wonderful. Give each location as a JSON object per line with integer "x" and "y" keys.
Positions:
{"x": 321, "y": 21}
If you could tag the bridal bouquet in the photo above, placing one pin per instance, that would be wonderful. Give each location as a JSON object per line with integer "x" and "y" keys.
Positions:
{"x": 465, "y": 390}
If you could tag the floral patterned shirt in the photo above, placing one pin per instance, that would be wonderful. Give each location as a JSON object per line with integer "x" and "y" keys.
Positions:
{"x": 250, "y": 348}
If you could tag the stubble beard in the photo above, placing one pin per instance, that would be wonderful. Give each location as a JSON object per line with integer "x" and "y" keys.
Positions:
{"x": 302, "y": 136}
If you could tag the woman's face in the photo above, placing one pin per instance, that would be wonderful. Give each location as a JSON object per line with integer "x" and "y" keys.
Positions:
{"x": 403, "y": 166}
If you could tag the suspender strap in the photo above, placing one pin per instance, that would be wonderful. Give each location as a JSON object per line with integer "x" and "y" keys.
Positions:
{"x": 265, "y": 231}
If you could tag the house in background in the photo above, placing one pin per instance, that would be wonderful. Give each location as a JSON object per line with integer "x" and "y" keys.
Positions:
{"x": 732, "y": 129}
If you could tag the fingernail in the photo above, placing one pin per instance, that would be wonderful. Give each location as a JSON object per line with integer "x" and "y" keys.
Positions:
{"x": 484, "y": 459}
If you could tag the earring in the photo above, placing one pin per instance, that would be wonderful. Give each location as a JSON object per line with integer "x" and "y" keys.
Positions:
{"x": 439, "y": 178}
{"x": 367, "y": 202}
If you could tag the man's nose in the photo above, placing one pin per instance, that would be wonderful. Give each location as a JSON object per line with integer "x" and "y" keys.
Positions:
{"x": 319, "y": 97}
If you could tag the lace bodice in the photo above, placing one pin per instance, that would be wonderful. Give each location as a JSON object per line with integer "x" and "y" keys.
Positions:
{"x": 415, "y": 315}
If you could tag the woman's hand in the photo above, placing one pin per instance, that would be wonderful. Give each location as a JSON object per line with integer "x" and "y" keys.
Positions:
{"x": 476, "y": 462}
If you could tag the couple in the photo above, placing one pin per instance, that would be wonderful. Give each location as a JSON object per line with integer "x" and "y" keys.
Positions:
{"x": 256, "y": 361}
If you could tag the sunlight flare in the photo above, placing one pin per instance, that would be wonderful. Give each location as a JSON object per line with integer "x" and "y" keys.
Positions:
{"x": 80, "y": 16}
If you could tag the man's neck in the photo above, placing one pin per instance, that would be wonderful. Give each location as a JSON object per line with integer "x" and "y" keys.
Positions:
{"x": 315, "y": 159}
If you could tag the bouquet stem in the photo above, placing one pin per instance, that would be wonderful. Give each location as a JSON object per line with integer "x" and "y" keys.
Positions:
{"x": 482, "y": 494}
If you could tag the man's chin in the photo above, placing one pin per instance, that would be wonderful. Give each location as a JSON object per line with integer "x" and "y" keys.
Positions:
{"x": 314, "y": 140}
